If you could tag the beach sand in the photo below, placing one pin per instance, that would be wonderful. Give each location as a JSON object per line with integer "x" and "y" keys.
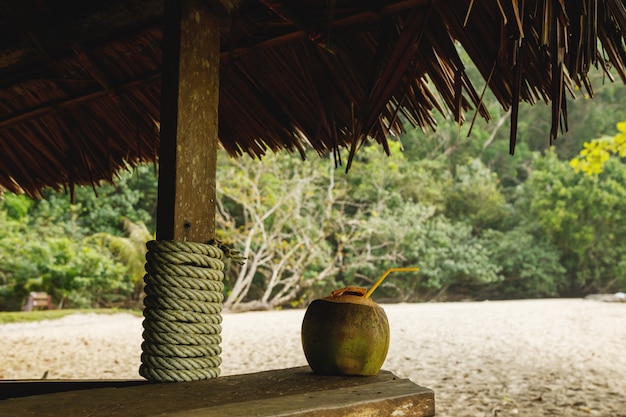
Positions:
{"x": 526, "y": 358}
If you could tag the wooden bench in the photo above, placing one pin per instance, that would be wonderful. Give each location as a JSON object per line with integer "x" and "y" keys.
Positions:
{"x": 292, "y": 392}
{"x": 38, "y": 301}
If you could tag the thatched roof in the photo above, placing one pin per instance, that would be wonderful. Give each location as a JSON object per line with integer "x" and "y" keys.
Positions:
{"x": 80, "y": 80}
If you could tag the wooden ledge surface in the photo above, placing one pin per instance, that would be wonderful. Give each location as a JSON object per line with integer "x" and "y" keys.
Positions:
{"x": 282, "y": 392}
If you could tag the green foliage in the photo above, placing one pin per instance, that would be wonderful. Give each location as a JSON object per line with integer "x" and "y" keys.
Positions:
{"x": 76, "y": 253}
{"x": 15, "y": 270}
{"x": 130, "y": 251}
{"x": 104, "y": 210}
{"x": 75, "y": 274}
{"x": 583, "y": 217}
{"x": 83, "y": 276}
{"x": 16, "y": 206}
{"x": 530, "y": 266}
{"x": 447, "y": 253}
{"x": 474, "y": 197}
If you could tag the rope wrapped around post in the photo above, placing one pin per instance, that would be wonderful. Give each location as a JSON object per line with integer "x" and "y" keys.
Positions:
{"x": 182, "y": 314}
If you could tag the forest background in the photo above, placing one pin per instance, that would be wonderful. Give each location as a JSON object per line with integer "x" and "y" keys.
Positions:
{"x": 479, "y": 223}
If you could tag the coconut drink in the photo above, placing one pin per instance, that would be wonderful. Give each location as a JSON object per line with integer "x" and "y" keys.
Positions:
{"x": 347, "y": 333}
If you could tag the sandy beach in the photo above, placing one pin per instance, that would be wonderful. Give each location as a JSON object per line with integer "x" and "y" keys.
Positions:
{"x": 495, "y": 358}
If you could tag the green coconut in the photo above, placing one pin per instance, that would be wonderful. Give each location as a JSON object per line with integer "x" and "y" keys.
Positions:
{"x": 345, "y": 333}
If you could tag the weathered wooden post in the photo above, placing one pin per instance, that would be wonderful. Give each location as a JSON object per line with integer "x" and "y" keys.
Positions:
{"x": 184, "y": 273}
{"x": 189, "y": 113}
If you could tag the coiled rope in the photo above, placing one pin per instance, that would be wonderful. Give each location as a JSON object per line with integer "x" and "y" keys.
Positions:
{"x": 182, "y": 314}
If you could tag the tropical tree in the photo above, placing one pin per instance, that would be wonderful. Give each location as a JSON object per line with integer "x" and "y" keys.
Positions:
{"x": 129, "y": 251}
{"x": 74, "y": 273}
{"x": 271, "y": 208}
{"x": 595, "y": 153}
{"x": 582, "y": 217}
{"x": 78, "y": 275}
{"x": 474, "y": 197}
{"x": 306, "y": 228}
{"x": 529, "y": 265}
{"x": 78, "y": 253}
{"x": 100, "y": 210}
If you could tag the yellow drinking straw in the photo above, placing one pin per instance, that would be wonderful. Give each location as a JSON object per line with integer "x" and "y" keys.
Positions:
{"x": 387, "y": 272}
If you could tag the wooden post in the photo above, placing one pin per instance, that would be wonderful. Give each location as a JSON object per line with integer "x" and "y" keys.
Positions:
{"x": 189, "y": 114}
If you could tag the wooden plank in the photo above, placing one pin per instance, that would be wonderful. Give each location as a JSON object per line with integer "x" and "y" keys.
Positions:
{"x": 282, "y": 392}
{"x": 189, "y": 114}
{"x": 28, "y": 387}
{"x": 400, "y": 397}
